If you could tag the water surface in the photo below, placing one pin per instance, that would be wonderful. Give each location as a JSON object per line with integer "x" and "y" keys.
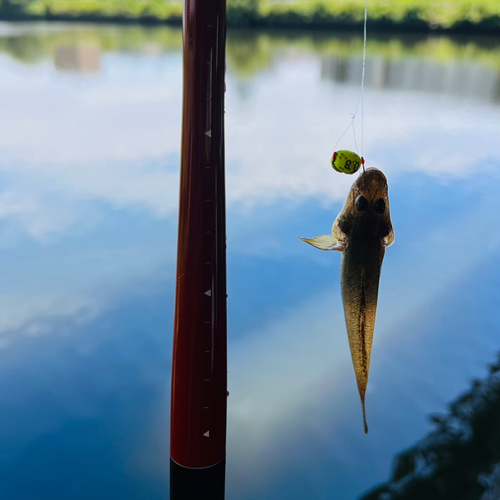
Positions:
{"x": 89, "y": 159}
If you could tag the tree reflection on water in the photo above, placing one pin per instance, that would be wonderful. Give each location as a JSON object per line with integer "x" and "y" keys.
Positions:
{"x": 459, "y": 460}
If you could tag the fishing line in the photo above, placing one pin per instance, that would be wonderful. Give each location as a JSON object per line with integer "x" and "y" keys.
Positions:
{"x": 363, "y": 78}
{"x": 360, "y": 100}
{"x": 361, "y": 91}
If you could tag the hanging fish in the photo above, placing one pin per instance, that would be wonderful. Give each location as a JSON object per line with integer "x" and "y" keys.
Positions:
{"x": 346, "y": 161}
{"x": 361, "y": 231}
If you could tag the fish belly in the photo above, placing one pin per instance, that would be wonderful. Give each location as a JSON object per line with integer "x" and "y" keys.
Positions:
{"x": 359, "y": 280}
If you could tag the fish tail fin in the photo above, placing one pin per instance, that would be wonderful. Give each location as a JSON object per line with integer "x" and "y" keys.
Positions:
{"x": 364, "y": 414}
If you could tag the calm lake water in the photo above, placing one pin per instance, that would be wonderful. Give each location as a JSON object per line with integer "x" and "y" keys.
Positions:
{"x": 89, "y": 168}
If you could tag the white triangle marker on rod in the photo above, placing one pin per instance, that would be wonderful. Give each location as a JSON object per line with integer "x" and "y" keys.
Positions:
{"x": 208, "y": 133}
{"x": 209, "y": 293}
{"x": 207, "y": 434}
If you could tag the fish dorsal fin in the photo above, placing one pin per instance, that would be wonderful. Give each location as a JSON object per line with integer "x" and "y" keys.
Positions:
{"x": 325, "y": 242}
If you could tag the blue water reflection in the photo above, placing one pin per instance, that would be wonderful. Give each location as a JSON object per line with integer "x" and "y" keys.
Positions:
{"x": 89, "y": 158}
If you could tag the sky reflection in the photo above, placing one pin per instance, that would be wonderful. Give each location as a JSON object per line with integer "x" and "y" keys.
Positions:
{"x": 88, "y": 200}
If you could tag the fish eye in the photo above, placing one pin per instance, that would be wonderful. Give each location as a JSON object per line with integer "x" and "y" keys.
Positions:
{"x": 361, "y": 203}
{"x": 379, "y": 206}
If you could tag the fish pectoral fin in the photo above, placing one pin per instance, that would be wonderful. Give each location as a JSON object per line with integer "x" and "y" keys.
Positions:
{"x": 389, "y": 239}
{"x": 325, "y": 242}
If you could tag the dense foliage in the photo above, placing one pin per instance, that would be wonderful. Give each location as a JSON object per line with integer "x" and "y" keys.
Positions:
{"x": 419, "y": 14}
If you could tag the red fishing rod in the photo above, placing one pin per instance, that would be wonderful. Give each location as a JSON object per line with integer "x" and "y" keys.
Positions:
{"x": 199, "y": 370}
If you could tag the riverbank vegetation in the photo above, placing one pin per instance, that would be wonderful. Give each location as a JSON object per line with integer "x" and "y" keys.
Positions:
{"x": 454, "y": 15}
{"x": 251, "y": 51}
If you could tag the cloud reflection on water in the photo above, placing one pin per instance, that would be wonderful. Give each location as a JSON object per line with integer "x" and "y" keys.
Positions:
{"x": 81, "y": 407}
{"x": 279, "y": 139}
{"x": 88, "y": 198}
{"x": 271, "y": 153}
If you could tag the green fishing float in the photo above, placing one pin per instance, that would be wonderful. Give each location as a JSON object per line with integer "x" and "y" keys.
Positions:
{"x": 346, "y": 161}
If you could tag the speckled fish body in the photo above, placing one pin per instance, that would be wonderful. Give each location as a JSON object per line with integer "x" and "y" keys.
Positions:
{"x": 361, "y": 232}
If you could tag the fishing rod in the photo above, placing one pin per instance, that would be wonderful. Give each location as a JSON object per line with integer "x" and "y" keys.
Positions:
{"x": 199, "y": 368}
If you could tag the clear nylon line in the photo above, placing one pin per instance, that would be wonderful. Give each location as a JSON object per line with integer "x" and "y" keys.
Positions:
{"x": 360, "y": 97}
{"x": 363, "y": 77}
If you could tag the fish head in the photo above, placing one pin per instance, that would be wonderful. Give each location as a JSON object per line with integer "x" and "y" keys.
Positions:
{"x": 370, "y": 193}
{"x": 368, "y": 204}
